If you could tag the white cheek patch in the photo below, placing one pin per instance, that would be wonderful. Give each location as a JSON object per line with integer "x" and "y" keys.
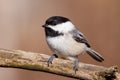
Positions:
{"x": 64, "y": 27}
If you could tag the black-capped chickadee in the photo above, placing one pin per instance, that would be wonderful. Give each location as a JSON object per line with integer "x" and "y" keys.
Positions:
{"x": 67, "y": 41}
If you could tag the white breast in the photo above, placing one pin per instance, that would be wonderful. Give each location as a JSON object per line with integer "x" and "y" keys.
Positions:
{"x": 66, "y": 45}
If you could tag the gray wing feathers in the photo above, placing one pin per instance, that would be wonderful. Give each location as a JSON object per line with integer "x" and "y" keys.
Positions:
{"x": 79, "y": 37}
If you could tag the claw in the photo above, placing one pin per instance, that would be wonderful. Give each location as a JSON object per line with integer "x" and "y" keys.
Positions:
{"x": 51, "y": 59}
{"x": 75, "y": 68}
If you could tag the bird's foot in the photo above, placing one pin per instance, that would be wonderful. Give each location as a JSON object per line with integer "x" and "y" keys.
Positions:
{"x": 75, "y": 67}
{"x": 51, "y": 59}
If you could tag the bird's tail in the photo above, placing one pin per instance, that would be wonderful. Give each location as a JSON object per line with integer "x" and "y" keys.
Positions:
{"x": 95, "y": 55}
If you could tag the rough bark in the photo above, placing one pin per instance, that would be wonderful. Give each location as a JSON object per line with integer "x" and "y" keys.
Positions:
{"x": 38, "y": 62}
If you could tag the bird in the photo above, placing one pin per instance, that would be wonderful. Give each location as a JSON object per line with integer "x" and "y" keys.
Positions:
{"x": 66, "y": 41}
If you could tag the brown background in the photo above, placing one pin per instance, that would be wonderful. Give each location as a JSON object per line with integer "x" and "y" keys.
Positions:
{"x": 20, "y": 28}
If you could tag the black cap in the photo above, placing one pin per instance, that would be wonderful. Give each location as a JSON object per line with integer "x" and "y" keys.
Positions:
{"x": 54, "y": 20}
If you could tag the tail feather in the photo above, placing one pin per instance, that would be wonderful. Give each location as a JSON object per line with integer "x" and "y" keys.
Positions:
{"x": 95, "y": 55}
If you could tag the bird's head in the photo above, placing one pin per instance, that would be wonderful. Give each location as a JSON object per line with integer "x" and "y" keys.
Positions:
{"x": 60, "y": 24}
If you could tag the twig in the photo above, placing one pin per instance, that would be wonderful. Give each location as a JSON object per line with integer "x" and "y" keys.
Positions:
{"x": 38, "y": 62}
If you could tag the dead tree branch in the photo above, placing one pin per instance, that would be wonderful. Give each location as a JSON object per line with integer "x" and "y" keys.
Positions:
{"x": 38, "y": 62}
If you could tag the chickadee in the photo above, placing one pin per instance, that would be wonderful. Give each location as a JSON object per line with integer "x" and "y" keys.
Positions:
{"x": 65, "y": 40}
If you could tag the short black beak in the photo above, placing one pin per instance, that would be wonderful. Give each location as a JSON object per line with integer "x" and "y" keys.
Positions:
{"x": 43, "y": 26}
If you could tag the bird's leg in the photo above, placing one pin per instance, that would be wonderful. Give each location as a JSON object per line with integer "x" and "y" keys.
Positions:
{"x": 51, "y": 59}
{"x": 75, "y": 67}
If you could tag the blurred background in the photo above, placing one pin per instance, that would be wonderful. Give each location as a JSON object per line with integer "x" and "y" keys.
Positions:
{"x": 20, "y": 28}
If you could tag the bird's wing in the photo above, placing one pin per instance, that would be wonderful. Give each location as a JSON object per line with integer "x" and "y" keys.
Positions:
{"x": 79, "y": 37}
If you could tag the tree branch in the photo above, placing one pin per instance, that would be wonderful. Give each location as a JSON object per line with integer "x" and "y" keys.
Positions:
{"x": 38, "y": 62}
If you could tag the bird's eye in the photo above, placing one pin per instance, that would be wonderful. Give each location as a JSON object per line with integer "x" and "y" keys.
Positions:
{"x": 53, "y": 23}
